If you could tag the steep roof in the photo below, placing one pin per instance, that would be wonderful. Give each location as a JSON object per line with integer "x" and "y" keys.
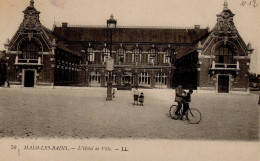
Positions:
{"x": 195, "y": 46}
{"x": 131, "y": 35}
{"x": 60, "y": 43}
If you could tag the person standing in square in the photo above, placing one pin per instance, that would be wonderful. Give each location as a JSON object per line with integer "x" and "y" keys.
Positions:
{"x": 136, "y": 95}
{"x": 141, "y": 99}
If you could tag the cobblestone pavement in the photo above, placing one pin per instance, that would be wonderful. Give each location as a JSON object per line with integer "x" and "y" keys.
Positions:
{"x": 84, "y": 113}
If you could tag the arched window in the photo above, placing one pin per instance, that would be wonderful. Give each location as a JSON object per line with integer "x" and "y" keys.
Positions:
{"x": 152, "y": 56}
{"x": 30, "y": 50}
{"x": 121, "y": 53}
{"x": 224, "y": 54}
{"x": 136, "y": 56}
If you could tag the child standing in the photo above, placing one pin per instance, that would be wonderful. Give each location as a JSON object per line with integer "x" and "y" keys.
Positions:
{"x": 136, "y": 95}
{"x": 141, "y": 99}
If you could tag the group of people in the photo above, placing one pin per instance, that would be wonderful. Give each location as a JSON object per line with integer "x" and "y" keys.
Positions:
{"x": 182, "y": 98}
{"x": 138, "y": 98}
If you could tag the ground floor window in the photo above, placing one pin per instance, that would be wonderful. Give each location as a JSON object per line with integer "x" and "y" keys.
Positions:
{"x": 144, "y": 79}
{"x": 95, "y": 79}
{"x": 127, "y": 78}
{"x": 113, "y": 76}
{"x": 161, "y": 80}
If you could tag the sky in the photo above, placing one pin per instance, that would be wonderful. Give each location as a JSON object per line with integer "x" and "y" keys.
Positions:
{"x": 174, "y": 13}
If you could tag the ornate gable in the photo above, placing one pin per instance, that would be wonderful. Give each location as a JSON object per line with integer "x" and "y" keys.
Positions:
{"x": 225, "y": 25}
{"x": 31, "y": 19}
{"x": 30, "y": 29}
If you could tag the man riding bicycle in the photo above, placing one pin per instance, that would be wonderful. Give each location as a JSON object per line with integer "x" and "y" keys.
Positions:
{"x": 179, "y": 94}
{"x": 186, "y": 102}
{"x": 182, "y": 98}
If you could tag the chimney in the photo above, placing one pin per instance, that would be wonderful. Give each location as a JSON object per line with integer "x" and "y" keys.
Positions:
{"x": 64, "y": 24}
{"x": 197, "y": 27}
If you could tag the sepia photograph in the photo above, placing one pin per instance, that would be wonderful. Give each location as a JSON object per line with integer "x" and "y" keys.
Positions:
{"x": 129, "y": 80}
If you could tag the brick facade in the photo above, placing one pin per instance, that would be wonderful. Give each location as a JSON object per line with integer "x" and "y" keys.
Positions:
{"x": 221, "y": 60}
{"x": 143, "y": 56}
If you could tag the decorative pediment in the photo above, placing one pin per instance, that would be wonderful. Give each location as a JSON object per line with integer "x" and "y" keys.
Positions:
{"x": 225, "y": 25}
{"x": 31, "y": 19}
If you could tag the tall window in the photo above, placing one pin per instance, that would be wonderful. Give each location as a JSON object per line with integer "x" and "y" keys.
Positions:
{"x": 224, "y": 55}
{"x": 136, "y": 56}
{"x": 121, "y": 55}
{"x": 161, "y": 80}
{"x": 152, "y": 56}
{"x": 127, "y": 78}
{"x": 95, "y": 79}
{"x": 104, "y": 54}
{"x": 169, "y": 56}
{"x": 113, "y": 75}
{"x": 30, "y": 50}
{"x": 91, "y": 55}
{"x": 144, "y": 79}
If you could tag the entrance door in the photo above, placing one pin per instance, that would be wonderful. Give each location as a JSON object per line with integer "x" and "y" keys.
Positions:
{"x": 223, "y": 84}
{"x": 29, "y": 78}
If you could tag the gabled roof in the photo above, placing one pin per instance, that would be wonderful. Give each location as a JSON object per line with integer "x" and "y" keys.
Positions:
{"x": 131, "y": 35}
{"x": 59, "y": 42}
{"x": 195, "y": 46}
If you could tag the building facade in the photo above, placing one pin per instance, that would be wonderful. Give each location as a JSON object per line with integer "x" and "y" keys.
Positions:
{"x": 219, "y": 62}
{"x": 35, "y": 57}
{"x": 143, "y": 56}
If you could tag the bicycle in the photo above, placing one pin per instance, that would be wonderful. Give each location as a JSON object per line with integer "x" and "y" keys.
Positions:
{"x": 193, "y": 116}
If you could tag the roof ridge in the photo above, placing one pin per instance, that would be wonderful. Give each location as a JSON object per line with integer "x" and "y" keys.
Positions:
{"x": 142, "y": 27}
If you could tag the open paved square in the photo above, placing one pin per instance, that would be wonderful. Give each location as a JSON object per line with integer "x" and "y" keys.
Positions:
{"x": 84, "y": 113}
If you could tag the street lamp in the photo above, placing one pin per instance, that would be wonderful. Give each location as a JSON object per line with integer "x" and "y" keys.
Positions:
{"x": 111, "y": 24}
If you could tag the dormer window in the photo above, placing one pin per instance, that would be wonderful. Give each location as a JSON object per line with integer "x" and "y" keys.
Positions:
{"x": 104, "y": 54}
{"x": 91, "y": 55}
{"x": 136, "y": 56}
{"x": 121, "y": 55}
{"x": 152, "y": 56}
{"x": 169, "y": 56}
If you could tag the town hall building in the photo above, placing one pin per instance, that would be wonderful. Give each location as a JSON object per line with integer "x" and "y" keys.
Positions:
{"x": 147, "y": 57}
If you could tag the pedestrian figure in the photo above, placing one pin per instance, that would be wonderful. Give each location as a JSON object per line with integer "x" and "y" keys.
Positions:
{"x": 7, "y": 84}
{"x": 141, "y": 99}
{"x": 136, "y": 95}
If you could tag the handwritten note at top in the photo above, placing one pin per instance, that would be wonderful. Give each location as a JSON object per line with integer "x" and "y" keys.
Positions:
{"x": 252, "y": 3}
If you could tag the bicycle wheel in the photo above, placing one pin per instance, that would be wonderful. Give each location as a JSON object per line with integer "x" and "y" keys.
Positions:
{"x": 193, "y": 116}
{"x": 172, "y": 111}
